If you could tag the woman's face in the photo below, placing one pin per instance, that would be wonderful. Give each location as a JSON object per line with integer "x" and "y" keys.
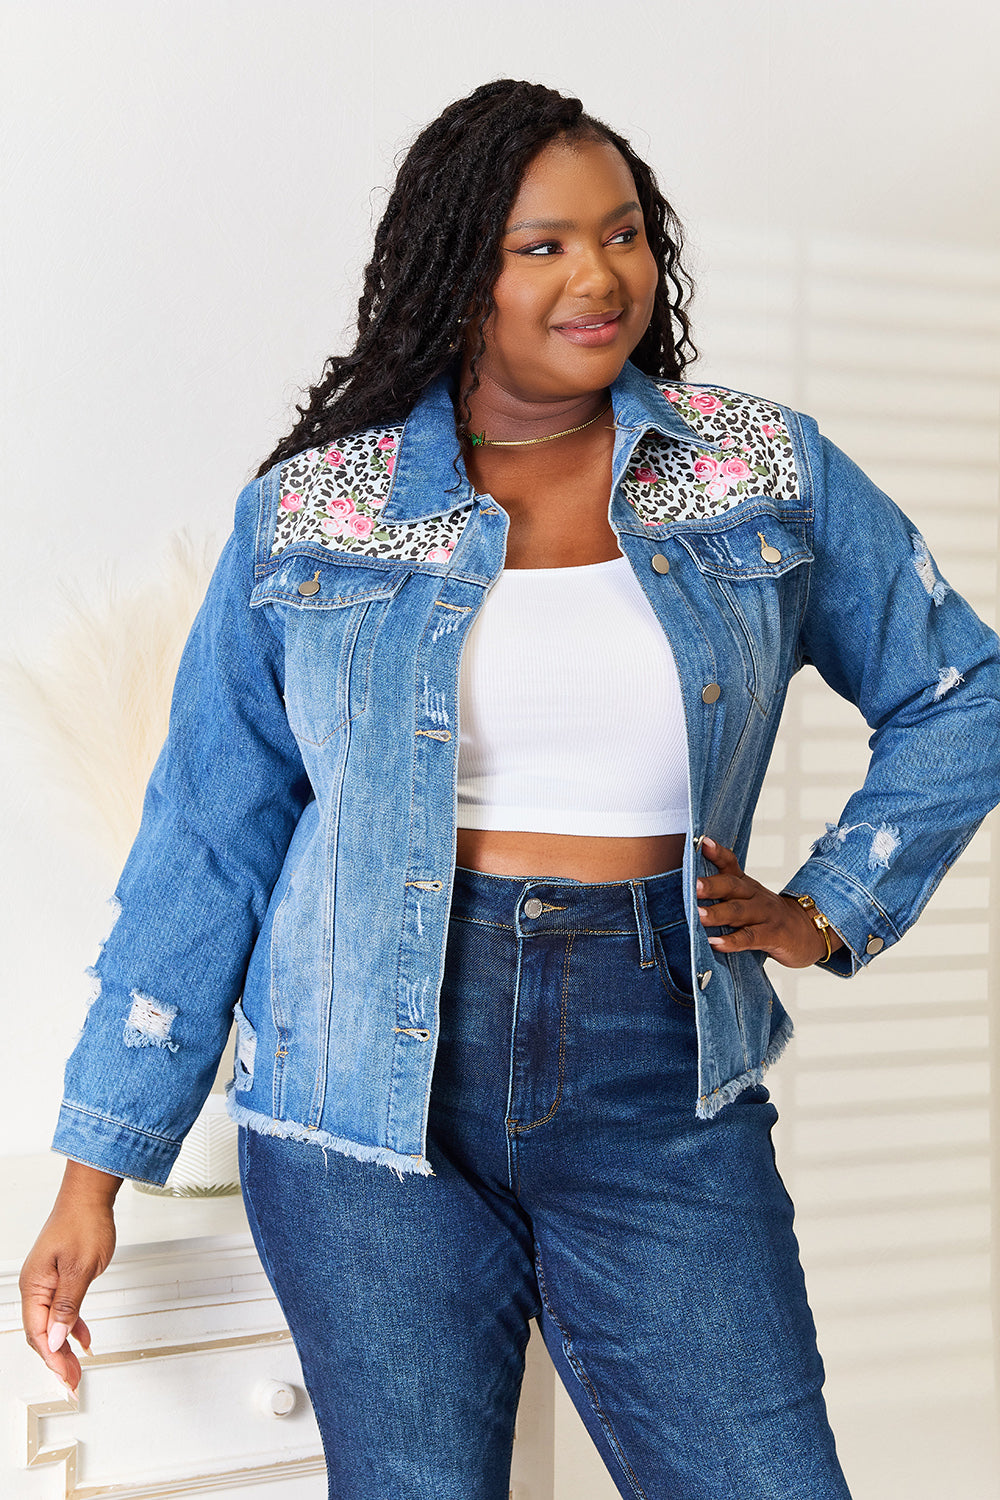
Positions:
{"x": 575, "y": 293}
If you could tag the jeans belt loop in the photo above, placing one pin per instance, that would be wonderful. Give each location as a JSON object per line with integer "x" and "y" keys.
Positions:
{"x": 643, "y": 925}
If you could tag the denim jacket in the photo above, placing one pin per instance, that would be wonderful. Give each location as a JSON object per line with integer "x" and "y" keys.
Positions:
{"x": 297, "y": 846}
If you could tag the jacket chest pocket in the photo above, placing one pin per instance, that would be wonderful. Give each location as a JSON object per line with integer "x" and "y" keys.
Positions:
{"x": 331, "y": 617}
{"x": 755, "y": 571}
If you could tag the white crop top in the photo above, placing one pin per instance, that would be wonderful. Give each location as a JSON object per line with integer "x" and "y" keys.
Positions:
{"x": 571, "y": 712}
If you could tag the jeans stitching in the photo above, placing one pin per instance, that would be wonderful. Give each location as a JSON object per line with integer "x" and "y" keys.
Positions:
{"x": 518, "y": 1128}
{"x": 585, "y": 1380}
{"x": 584, "y": 932}
{"x": 481, "y": 922}
{"x": 674, "y": 993}
{"x": 550, "y": 932}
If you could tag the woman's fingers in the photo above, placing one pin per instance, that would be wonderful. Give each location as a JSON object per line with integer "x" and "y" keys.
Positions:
{"x": 742, "y": 938}
{"x": 722, "y": 858}
{"x": 82, "y": 1335}
{"x": 760, "y": 919}
{"x": 75, "y": 1245}
{"x": 731, "y": 884}
{"x": 50, "y": 1309}
{"x": 731, "y": 880}
{"x": 735, "y": 913}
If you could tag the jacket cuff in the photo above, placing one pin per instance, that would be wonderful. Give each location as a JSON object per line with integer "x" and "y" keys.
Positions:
{"x": 111, "y": 1146}
{"x": 852, "y": 910}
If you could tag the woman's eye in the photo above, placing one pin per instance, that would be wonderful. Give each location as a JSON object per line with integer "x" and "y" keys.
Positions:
{"x": 554, "y": 247}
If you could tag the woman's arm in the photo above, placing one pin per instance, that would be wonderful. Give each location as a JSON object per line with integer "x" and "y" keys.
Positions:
{"x": 887, "y": 633}
{"x": 222, "y": 803}
{"x": 220, "y": 809}
{"x": 76, "y": 1244}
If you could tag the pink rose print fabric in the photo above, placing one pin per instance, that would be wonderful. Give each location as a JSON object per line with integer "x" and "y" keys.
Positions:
{"x": 671, "y": 481}
{"x": 333, "y": 498}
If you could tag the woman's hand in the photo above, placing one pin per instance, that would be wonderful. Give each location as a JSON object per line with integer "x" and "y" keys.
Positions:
{"x": 761, "y": 919}
{"x": 75, "y": 1245}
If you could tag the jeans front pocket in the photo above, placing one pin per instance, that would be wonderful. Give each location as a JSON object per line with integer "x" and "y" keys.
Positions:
{"x": 673, "y": 963}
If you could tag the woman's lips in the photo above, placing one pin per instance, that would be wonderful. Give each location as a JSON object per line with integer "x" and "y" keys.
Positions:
{"x": 591, "y": 332}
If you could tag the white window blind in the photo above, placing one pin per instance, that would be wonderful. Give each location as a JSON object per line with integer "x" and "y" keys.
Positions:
{"x": 885, "y": 1138}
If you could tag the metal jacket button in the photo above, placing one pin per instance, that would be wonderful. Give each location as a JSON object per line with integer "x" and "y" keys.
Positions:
{"x": 533, "y": 907}
{"x": 768, "y": 553}
{"x": 711, "y": 693}
{"x": 311, "y": 585}
{"x": 874, "y": 945}
{"x": 661, "y": 564}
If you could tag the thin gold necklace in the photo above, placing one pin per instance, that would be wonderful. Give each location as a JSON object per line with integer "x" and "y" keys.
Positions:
{"x": 480, "y": 440}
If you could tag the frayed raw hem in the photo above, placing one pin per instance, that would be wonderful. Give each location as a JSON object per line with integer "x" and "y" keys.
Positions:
{"x": 290, "y": 1130}
{"x": 709, "y": 1105}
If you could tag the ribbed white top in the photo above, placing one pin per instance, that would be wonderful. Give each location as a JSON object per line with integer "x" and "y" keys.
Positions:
{"x": 571, "y": 712}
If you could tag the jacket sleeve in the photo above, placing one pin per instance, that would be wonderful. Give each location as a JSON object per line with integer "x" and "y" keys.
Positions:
{"x": 886, "y": 632}
{"x": 219, "y": 812}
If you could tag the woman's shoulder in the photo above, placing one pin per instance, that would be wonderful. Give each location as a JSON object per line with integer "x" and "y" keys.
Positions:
{"x": 333, "y": 494}
{"x": 743, "y": 445}
{"x": 717, "y": 411}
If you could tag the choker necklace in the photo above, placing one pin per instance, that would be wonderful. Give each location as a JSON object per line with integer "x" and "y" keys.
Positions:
{"x": 480, "y": 440}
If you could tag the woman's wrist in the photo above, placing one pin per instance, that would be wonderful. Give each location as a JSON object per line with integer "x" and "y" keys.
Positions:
{"x": 819, "y": 921}
{"x": 83, "y": 1183}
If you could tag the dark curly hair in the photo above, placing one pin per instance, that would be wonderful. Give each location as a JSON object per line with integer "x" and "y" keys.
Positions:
{"x": 437, "y": 257}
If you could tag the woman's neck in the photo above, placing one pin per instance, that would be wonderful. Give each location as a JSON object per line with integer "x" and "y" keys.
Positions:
{"x": 501, "y": 415}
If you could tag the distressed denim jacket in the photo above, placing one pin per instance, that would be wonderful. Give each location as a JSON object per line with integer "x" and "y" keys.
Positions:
{"x": 297, "y": 846}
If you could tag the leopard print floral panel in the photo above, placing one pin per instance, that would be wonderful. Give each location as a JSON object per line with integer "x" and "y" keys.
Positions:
{"x": 670, "y": 481}
{"x": 333, "y": 497}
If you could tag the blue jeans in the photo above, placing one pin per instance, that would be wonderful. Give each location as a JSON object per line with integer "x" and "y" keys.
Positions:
{"x": 573, "y": 1184}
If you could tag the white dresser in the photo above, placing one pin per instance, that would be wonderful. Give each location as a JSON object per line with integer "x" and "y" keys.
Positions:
{"x": 194, "y": 1387}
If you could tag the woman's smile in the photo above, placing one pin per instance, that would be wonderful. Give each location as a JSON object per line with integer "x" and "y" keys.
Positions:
{"x": 592, "y": 331}
{"x": 574, "y": 295}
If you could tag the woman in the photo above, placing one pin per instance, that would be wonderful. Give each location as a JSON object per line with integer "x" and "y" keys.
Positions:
{"x": 506, "y": 498}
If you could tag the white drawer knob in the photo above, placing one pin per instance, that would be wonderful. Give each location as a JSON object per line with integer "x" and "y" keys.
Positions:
{"x": 273, "y": 1398}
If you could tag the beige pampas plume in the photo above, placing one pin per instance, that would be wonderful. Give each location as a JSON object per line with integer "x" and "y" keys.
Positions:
{"x": 95, "y": 704}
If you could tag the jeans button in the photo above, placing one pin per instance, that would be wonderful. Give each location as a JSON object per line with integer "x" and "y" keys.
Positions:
{"x": 533, "y": 907}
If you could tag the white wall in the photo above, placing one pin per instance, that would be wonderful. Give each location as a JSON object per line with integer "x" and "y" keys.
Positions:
{"x": 188, "y": 189}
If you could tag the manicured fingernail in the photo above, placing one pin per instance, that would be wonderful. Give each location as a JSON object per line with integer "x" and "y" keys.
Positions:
{"x": 715, "y": 942}
{"x": 57, "y": 1336}
{"x": 71, "y": 1393}
{"x": 703, "y": 911}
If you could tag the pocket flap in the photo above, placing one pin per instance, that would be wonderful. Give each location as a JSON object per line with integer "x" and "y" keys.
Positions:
{"x": 757, "y": 546}
{"x": 309, "y": 582}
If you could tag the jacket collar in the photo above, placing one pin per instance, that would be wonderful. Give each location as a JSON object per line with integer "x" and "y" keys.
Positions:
{"x": 429, "y": 477}
{"x": 639, "y": 405}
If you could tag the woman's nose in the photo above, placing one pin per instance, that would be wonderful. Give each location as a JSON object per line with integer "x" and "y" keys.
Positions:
{"x": 591, "y": 275}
